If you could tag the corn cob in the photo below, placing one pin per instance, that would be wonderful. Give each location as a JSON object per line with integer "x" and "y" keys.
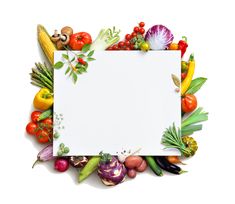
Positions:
{"x": 46, "y": 44}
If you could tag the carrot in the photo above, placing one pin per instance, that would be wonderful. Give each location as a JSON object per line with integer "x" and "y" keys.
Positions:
{"x": 174, "y": 160}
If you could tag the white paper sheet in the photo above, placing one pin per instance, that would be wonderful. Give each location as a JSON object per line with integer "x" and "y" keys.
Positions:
{"x": 124, "y": 102}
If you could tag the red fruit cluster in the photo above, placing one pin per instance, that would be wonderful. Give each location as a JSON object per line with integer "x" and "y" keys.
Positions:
{"x": 127, "y": 43}
{"x": 43, "y": 130}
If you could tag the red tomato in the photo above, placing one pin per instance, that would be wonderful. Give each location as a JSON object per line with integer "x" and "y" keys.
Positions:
{"x": 78, "y": 40}
{"x": 188, "y": 103}
{"x": 141, "y": 24}
{"x": 127, "y": 43}
{"x": 43, "y": 136}
{"x": 142, "y": 31}
{"x": 47, "y": 124}
{"x": 133, "y": 34}
{"x": 35, "y": 115}
{"x": 31, "y": 128}
{"x": 121, "y": 44}
{"x": 136, "y": 29}
{"x": 128, "y": 36}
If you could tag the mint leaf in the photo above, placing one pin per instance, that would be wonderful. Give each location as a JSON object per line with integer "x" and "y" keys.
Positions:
{"x": 58, "y": 65}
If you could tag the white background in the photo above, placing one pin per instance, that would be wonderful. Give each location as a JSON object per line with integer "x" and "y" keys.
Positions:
{"x": 210, "y": 31}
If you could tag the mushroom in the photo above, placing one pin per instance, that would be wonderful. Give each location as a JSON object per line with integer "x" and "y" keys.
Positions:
{"x": 64, "y": 38}
{"x": 78, "y": 161}
{"x": 59, "y": 45}
{"x": 55, "y": 37}
{"x": 67, "y": 30}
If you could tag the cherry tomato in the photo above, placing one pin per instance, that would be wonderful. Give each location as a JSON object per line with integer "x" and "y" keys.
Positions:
{"x": 136, "y": 29}
{"x": 78, "y": 40}
{"x": 35, "y": 115}
{"x": 128, "y": 36}
{"x": 188, "y": 103}
{"x": 141, "y": 24}
{"x": 134, "y": 34}
{"x": 127, "y": 43}
{"x": 121, "y": 44}
{"x": 31, "y": 128}
{"x": 183, "y": 75}
{"x": 46, "y": 124}
{"x": 142, "y": 31}
{"x": 43, "y": 136}
{"x": 127, "y": 48}
{"x": 115, "y": 47}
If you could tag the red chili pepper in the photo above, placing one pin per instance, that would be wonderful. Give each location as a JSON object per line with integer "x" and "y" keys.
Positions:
{"x": 81, "y": 61}
{"x": 182, "y": 45}
{"x": 183, "y": 75}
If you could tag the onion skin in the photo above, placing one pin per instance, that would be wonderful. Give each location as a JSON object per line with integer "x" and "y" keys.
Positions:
{"x": 112, "y": 173}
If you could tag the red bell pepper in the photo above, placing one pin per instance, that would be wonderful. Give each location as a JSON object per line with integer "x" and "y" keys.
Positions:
{"x": 182, "y": 45}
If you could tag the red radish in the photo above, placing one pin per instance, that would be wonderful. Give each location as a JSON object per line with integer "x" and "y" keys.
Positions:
{"x": 61, "y": 165}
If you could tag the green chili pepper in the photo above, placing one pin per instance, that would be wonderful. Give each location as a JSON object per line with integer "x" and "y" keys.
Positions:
{"x": 90, "y": 167}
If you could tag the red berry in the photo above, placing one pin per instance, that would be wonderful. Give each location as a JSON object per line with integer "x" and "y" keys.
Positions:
{"x": 142, "y": 31}
{"x": 115, "y": 47}
{"x": 128, "y": 36}
{"x": 136, "y": 29}
{"x": 121, "y": 44}
{"x": 127, "y": 43}
{"x": 134, "y": 34}
{"x": 141, "y": 24}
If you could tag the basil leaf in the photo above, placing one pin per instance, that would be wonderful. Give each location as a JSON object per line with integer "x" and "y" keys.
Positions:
{"x": 67, "y": 71}
{"x": 90, "y": 59}
{"x": 58, "y": 65}
{"x": 195, "y": 85}
{"x": 86, "y": 47}
{"x": 65, "y": 56}
{"x": 90, "y": 53}
{"x": 75, "y": 78}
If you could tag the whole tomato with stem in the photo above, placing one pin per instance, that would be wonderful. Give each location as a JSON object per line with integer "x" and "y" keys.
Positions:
{"x": 43, "y": 136}
{"x": 78, "y": 40}
{"x": 35, "y": 115}
{"x": 31, "y": 128}
{"x": 188, "y": 103}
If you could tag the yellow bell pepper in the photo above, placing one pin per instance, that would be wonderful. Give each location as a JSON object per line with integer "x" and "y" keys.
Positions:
{"x": 43, "y": 100}
{"x": 188, "y": 79}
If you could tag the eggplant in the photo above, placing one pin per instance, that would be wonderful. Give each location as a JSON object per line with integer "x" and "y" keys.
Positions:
{"x": 167, "y": 166}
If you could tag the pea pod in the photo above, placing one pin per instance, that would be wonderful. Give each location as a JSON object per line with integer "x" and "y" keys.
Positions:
{"x": 90, "y": 167}
{"x": 153, "y": 165}
{"x": 45, "y": 114}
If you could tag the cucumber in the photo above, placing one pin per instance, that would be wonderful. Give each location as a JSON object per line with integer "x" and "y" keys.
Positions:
{"x": 153, "y": 165}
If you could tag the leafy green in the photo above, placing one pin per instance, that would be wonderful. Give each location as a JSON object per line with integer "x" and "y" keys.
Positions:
{"x": 58, "y": 65}
{"x": 189, "y": 130}
{"x": 86, "y": 47}
{"x": 196, "y": 117}
{"x": 195, "y": 85}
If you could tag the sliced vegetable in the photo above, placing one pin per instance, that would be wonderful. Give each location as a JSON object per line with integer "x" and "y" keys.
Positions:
{"x": 90, "y": 167}
{"x": 195, "y": 85}
{"x": 46, "y": 154}
{"x": 110, "y": 170}
{"x": 167, "y": 166}
{"x": 105, "y": 39}
{"x": 159, "y": 37}
{"x": 153, "y": 165}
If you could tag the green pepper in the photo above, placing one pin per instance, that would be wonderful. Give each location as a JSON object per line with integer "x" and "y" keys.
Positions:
{"x": 90, "y": 167}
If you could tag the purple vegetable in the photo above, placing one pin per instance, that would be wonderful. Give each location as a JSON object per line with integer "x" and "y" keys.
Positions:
{"x": 61, "y": 164}
{"x": 159, "y": 37}
{"x": 45, "y": 154}
{"x": 110, "y": 170}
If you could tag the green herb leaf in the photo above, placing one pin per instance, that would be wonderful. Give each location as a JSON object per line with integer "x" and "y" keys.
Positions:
{"x": 67, "y": 71}
{"x": 175, "y": 80}
{"x": 189, "y": 130}
{"x": 195, "y": 85}
{"x": 86, "y": 47}
{"x": 65, "y": 56}
{"x": 58, "y": 65}
{"x": 90, "y": 53}
{"x": 90, "y": 59}
{"x": 73, "y": 59}
{"x": 75, "y": 77}
{"x": 81, "y": 55}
